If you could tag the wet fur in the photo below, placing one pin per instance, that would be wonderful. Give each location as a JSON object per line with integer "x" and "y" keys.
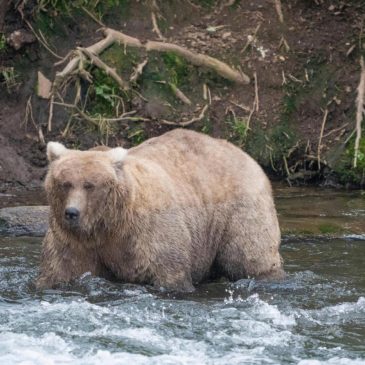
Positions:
{"x": 179, "y": 208}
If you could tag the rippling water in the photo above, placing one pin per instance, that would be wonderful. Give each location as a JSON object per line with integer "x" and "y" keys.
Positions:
{"x": 315, "y": 316}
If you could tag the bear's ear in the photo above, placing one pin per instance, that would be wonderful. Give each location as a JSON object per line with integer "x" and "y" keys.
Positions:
{"x": 117, "y": 154}
{"x": 55, "y": 150}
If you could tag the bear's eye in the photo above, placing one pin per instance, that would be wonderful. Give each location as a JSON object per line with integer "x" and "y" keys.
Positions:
{"x": 88, "y": 185}
{"x": 66, "y": 185}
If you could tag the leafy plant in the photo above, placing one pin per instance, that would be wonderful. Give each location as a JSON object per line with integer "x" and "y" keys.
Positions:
{"x": 238, "y": 130}
{"x": 9, "y": 77}
{"x": 2, "y": 42}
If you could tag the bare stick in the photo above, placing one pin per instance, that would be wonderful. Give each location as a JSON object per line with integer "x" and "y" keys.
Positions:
{"x": 286, "y": 167}
{"x": 250, "y": 116}
{"x": 251, "y": 38}
{"x": 188, "y": 122}
{"x": 335, "y": 130}
{"x": 243, "y": 107}
{"x": 96, "y": 121}
{"x": 284, "y": 43}
{"x": 92, "y": 16}
{"x": 279, "y": 10}
{"x": 256, "y": 92}
{"x": 43, "y": 43}
{"x": 138, "y": 71}
{"x": 320, "y": 138}
{"x": 359, "y": 110}
{"x": 155, "y": 28}
{"x": 177, "y": 92}
{"x": 108, "y": 70}
{"x": 50, "y": 114}
{"x": 284, "y": 78}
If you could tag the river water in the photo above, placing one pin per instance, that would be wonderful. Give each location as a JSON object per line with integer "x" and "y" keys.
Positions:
{"x": 315, "y": 316}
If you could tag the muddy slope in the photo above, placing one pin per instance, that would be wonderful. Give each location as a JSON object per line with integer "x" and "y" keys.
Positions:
{"x": 306, "y": 66}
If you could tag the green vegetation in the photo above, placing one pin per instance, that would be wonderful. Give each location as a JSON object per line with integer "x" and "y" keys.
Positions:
{"x": 2, "y": 42}
{"x": 136, "y": 134}
{"x": 8, "y": 77}
{"x": 328, "y": 228}
{"x": 344, "y": 165}
{"x": 237, "y": 130}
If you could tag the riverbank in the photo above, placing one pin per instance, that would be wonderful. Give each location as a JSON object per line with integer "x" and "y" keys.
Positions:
{"x": 296, "y": 117}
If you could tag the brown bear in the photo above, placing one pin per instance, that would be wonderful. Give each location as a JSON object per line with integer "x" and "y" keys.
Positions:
{"x": 171, "y": 212}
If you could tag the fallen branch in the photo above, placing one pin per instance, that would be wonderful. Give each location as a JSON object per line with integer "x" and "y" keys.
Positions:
{"x": 359, "y": 110}
{"x": 73, "y": 64}
{"x": 197, "y": 59}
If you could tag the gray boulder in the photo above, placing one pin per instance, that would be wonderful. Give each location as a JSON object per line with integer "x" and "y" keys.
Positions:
{"x": 24, "y": 221}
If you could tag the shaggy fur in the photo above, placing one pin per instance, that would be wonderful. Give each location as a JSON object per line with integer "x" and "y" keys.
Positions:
{"x": 171, "y": 212}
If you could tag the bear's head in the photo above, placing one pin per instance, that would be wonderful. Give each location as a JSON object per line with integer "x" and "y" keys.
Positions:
{"x": 82, "y": 186}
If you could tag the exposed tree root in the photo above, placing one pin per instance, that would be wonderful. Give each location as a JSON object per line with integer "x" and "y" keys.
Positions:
{"x": 108, "y": 70}
{"x": 113, "y": 36}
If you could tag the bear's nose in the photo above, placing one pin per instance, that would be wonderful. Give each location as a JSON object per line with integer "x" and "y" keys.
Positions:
{"x": 72, "y": 214}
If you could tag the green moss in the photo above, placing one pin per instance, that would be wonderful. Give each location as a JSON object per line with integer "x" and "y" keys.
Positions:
{"x": 328, "y": 228}
{"x": 2, "y": 42}
{"x": 177, "y": 68}
{"x": 123, "y": 60}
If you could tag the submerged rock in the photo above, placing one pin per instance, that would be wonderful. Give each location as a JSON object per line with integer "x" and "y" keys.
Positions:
{"x": 24, "y": 221}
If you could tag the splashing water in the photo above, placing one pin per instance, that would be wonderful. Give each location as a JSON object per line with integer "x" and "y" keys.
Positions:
{"x": 315, "y": 316}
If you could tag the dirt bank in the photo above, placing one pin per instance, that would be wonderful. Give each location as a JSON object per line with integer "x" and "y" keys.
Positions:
{"x": 306, "y": 66}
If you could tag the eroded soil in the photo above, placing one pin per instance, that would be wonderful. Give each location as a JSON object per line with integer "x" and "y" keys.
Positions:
{"x": 305, "y": 65}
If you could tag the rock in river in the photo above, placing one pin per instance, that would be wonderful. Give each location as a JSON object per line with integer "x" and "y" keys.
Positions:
{"x": 24, "y": 221}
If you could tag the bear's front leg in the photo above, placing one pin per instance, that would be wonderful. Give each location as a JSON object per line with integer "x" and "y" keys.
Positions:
{"x": 63, "y": 261}
{"x": 177, "y": 282}
{"x": 172, "y": 275}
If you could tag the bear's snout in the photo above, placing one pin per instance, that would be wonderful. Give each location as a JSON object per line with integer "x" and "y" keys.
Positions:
{"x": 72, "y": 214}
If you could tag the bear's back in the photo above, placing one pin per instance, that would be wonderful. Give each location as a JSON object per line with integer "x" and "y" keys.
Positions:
{"x": 209, "y": 163}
